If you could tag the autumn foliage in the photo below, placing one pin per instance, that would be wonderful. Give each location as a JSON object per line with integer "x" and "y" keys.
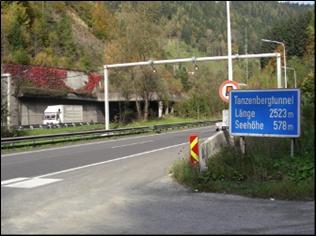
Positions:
{"x": 48, "y": 78}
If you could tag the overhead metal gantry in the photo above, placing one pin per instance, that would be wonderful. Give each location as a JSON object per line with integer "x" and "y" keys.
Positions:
{"x": 184, "y": 60}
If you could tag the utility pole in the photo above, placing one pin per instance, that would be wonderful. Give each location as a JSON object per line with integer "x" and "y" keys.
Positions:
{"x": 295, "y": 79}
{"x": 284, "y": 53}
{"x": 229, "y": 42}
{"x": 106, "y": 96}
{"x": 246, "y": 52}
{"x": 8, "y": 101}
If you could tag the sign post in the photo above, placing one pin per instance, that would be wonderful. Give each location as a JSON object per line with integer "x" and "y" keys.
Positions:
{"x": 265, "y": 113}
{"x": 224, "y": 90}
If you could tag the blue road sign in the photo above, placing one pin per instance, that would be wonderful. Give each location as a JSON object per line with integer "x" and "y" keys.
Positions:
{"x": 269, "y": 113}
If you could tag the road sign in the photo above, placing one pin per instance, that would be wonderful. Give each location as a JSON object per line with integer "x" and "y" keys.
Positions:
{"x": 225, "y": 89}
{"x": 194, "y": 149}
{"x": 269, "y": 113}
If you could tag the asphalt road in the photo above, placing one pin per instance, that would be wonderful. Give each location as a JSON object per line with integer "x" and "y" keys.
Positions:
{"x": 53, "y": 160}
{"x": 123, "y": 187}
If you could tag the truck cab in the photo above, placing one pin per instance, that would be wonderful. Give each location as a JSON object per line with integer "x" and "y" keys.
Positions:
{"x": 52, "y": 115}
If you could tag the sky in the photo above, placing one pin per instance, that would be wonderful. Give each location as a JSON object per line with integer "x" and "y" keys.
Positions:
{"x": 301, "y": 2}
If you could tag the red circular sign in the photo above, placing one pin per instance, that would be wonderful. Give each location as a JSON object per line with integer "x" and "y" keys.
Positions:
{"x": 225, "y": 88}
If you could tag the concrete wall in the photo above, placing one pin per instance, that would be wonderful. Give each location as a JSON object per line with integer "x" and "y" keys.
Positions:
{"x": 4, "y": 87}
{"x": 76, "y": 79}
{"x": 91, "y": 113}
{"x": 32, "y": 113}
{"x": 211, "y": 146}
{"x": 32, "y": 109}
{"x": 13, "y": 110}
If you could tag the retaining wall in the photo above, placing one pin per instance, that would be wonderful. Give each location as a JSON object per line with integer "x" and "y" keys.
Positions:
{"x": 211, "y": 146}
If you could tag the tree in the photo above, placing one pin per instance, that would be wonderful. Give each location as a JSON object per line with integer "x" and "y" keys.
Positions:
{"x": 14, "y": 30}
{"x": 66, "y": 45}
{"x": 137, "y": 39}
{"x": 102, "y": 21}
{"x": 310, "y": 49}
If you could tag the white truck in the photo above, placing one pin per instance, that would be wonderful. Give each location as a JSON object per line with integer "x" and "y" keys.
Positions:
{"x": 56, "y": 114}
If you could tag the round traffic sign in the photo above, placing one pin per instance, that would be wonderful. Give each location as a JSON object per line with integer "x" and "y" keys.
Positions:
{"x": 225, "y": 89}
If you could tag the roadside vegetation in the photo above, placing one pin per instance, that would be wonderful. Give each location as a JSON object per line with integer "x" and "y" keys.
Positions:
{"x": 164, "y": 120}
{"x": 256, "y": 174}
{"x": 46, "y": 131}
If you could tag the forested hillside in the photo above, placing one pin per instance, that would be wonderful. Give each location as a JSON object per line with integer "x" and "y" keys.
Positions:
{"x": 85, "y": 35}
{"x": 74, "y": 34}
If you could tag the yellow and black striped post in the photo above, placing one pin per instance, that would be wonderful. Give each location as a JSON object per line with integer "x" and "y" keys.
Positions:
{"x": 194, "y": 149}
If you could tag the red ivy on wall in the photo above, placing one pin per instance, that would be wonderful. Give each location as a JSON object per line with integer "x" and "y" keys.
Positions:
{"x": 41, "y": 77}
{"x": 49, "y": 78}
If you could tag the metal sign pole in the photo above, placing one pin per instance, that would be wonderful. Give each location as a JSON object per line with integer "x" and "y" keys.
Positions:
{"x": 106, "y": 92}
{"x": 8, "y": 102}
{"x": 242, "y": 145}
{"x": 292, "y": 147}
{"x": 278, "y": 71}
{"x": 230, "y": 78}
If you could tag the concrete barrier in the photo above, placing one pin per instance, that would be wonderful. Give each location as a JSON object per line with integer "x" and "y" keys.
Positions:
{"x": 211, "y": 146}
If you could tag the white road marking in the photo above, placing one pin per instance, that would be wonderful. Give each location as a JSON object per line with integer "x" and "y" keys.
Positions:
{"x": 32, "y": 183}
{"x": 5, "y": 182}
{"x": 25, "y": 182}
{"x": 95, "y": 143}
{"x": 110, "y": 161}
{"x": 136, "y": 143}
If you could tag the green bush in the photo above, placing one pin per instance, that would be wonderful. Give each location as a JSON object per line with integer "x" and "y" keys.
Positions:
{"x": 184, "y": 172}
{"x": 21, "y": 56}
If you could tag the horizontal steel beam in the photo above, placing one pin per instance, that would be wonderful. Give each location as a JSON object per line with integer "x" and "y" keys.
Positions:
{"x": 193, "y": 60}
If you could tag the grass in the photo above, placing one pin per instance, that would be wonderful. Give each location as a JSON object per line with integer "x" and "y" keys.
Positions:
{"x": 162, "y": 121}
{"x": 44, "y": 131}
{"x": 255, "y": 174}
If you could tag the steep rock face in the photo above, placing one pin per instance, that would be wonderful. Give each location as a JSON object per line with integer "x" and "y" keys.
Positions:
{"x": 90, "y": 44}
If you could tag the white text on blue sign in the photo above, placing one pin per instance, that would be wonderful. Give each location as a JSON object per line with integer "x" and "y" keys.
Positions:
{"x": 272, "y": 112}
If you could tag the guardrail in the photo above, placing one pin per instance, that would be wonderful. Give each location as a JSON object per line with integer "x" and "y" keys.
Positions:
{"x": 23, "y": 141}
{"x": 41, "y": 126}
